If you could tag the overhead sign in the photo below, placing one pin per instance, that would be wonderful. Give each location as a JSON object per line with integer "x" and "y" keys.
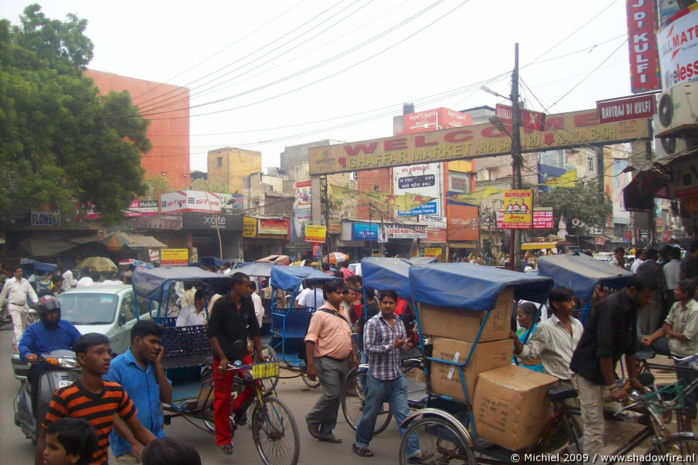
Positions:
{"x": 561, "y": 131}
{"x": 315, "y": 234}
{"x": 529, "y": 119}
{"x": 642, "y": 45}
{"x": 174, "y": 257}
{"x": 678, "y": 48}
{"x": 610, "y": 111}
{"x": 518, "y": 209}
{"x": 249, "y": 226}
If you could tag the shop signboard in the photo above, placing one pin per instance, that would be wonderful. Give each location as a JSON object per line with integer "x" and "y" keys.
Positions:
{"x": 518, "y": 208}
{"x": 433, "y": 221}
{"x": 141, "y": 208}
{"x": 640, "y": 106}
{"x": 45, "y": 218}
{"x": 433, "y": 251}
{"x": 364, "y": 231}
{"x": 678, "y": 48}
{"x": 190, "y": 201}
{"x": 315, "y": 234}
{"x": 642, "y": 46}
{"x": 543, "y": 218}
{"x": 210, "y": 221}
{"x": 406, "y": 232}
{"x": 174, "y": 257}
{"x": 153, "y": 255}
{"x": 482, "y": 140}
{"x": 249, "y": 226}
{"x": 269, "y": 226}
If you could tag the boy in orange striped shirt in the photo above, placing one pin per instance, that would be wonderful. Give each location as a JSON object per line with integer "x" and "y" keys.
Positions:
{"x": 93, "y": 399}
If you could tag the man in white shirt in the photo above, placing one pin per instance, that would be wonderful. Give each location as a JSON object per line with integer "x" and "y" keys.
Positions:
{"x": 193, "y": 315}
{"x": 311, "y": 296}
{"x": 16, "y": 292}
{"x": 257, "y": 301}
{"x": 640, "y": 257}
{"x": 68, "y": 280}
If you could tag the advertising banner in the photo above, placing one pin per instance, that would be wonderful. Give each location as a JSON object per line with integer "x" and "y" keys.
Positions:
{"x": 462, "y": 222}
{"x": 303, "y": 194}
{"x": 141, "y": 208}
{"x": 230, "y": 201}
{"x": 529, "y": 119}
{"x": 561, "y": 131}
{"x": 432, "y": 252}
{"x": 301, "y": 218}
{"x": 249, "y": 226}
{"x": 335, "y": 223}
{"x": 642, "y": 45}
{"x": 315, "y": 234}
{"x": 620, "y": 180}
{"x": 433, "y": 221}
{"x": 436, "y": 235}
{"x": 543, "y": 218}
{"x": 406, "y": 232}
{"x": 272, "y": 227}
{"x": 174, "y": 257}
{"x": 678, "y": 48}
{"x": 190, "y": 201}
{"x": 518, "y": 209}
{"x": 423, "y": 179}
{"x": 364, "y": 231}
{"x": 432, "y": 120}
{"x": 154, "y": 255}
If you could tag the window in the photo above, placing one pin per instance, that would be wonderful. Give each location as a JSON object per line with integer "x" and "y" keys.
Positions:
{"x": 590, "y": 164}
{"x": 128, "y": 307}
{"x": 219, "y": 162}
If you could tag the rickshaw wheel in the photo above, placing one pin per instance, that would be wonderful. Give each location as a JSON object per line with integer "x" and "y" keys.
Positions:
{"x": 353, "y": 401}
{"x": 440, "y": 442}
{"x": 268, "y": 384}
{"x": 308, "y": 382}
{"x": 275, "y": 433}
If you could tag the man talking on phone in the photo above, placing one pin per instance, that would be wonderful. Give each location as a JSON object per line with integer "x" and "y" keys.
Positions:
{"x": 140, "y": 373}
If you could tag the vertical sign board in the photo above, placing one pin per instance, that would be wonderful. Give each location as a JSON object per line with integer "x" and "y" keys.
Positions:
{"x": 249, "y": 226}
{"x": 642, "y": 44}
{"x": 518, "y": 209}
{"x": 678, "y": 48}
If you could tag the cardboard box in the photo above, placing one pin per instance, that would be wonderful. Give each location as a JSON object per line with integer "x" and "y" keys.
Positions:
{"x": 462, "y": 324}
{"x": 445, "y": 379}
{"x": 511, "y": 406}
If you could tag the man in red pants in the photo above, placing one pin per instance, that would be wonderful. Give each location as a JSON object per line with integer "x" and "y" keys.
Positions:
{"x": 232, "y": 319}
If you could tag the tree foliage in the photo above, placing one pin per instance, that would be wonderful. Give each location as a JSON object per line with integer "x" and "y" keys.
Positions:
{"x": 62, "y": 144}
{"x": 585, "y": 201}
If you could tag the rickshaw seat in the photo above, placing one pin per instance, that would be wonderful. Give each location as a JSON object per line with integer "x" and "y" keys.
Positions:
{"x": 185, "y": 346}
{"x": 297, "y": 322}
{"x": 561, "y": 393}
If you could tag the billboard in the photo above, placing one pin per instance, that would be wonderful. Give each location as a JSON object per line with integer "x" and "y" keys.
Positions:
{"x": 190, "y": 201}
{"x": 642, "y": 45}
{"x": 678, "y": 48}
{"x": 315, "y": 234}
{"x": 543, "y": 218}
{"x": 433, "y": 120}
{"x": 462, "y": 221}
{"x": 423, "y": 179}
{"x": 272, "y": 226}
{"x": 174, "y": 257}
{"x": 518, "y": 209}
{"x": 303, "y": 194}
{"x": 561, "y": 131}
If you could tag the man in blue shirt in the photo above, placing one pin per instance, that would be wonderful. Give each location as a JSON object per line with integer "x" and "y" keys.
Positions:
{"x": 140, "y": 373}
{"x": 46, "y": 335}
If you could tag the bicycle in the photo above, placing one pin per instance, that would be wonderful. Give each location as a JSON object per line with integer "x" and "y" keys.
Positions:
{"x": 274, "y": 430}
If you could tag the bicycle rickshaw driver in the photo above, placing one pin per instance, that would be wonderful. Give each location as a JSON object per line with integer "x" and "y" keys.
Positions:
{"x": 229, "y": 321}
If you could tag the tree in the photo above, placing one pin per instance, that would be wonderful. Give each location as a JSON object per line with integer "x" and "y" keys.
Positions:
{"x": 60, "y": 142}
{"x": 585, "y": 202}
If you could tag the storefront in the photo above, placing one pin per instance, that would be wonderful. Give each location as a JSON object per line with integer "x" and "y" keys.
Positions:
{"x": 213, "y": 234}
{"x": 262, "y": 237}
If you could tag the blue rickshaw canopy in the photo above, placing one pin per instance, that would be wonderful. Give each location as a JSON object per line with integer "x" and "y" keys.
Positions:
{"x": 387, "y": 273}
{"x": 473, "y": 287}
{"x": 289, "y": 278}
{"x": 152, "y": 283}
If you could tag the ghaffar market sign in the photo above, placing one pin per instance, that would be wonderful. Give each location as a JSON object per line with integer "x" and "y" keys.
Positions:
{"x": 560, "y": 131}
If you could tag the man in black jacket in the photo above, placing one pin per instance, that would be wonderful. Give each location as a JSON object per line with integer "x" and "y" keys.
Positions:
{"x": 609, "y": 332}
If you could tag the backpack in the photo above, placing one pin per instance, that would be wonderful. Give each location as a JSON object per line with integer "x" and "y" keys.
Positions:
{"x": 301, "y": 346}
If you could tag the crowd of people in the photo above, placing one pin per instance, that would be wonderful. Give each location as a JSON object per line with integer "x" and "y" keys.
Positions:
{"x": 117, "y": 402}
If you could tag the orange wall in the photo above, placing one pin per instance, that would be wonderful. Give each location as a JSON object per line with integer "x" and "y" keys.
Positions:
{"x": 168, "y": 132}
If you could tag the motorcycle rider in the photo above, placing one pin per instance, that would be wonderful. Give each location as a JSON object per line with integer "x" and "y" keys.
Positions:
{"x": 46, "y": 335}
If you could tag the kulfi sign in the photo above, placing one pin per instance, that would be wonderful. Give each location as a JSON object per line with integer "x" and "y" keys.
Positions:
{"x": 483, "y": 140}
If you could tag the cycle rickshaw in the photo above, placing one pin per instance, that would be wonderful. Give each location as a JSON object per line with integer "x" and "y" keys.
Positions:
{"x": 187, "y": 358}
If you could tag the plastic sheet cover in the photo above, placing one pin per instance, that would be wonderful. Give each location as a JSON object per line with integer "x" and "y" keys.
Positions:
{"x": 581, "y": 273}
{"x": 151, "y": 283}
{"x": 473, "y": 287}
{"x": 387, "y": 273}
{"x": 289, "y": 278}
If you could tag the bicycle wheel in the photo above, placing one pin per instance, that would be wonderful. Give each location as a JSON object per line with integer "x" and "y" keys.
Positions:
{"x": 268, "y": 384}
{"x": 440, "y": 442}
{"x": 668, "y": 450}
{"x": 275, "y": 433}
{"x": 207, "y": 386}
{"x": 353, "y": 402}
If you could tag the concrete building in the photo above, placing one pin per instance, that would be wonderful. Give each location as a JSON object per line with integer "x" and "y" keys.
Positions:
{"x": 228, "y": 167}
{"x": 168, "y": 132}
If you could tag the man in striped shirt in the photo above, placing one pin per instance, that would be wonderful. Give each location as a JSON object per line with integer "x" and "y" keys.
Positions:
{"x": 93, "y": 399}
{"x": 385, "y": 338}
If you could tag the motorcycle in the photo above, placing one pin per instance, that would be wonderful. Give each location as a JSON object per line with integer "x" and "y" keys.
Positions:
{"x": 61, "y": 369}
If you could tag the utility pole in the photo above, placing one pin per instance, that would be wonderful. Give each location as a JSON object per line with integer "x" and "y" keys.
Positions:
{"x": 516, "y": 160}
{"x": 326, "y": 205}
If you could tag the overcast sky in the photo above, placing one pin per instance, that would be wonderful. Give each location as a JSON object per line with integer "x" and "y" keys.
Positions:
{"x": 295, "y": 71}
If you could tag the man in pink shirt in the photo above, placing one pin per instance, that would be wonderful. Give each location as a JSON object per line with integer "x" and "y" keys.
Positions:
{"x": 346, "y": 272}
{"x": 329, "y": 353}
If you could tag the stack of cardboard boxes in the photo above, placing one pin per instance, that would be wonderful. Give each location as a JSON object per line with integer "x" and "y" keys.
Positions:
{"x": 509, "y": 403}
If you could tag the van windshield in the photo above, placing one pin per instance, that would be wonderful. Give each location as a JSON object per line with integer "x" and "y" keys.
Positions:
{"x": 88, "y": 308}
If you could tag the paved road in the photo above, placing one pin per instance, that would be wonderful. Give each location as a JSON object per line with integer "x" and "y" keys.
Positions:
{"x": 15, "y": 449}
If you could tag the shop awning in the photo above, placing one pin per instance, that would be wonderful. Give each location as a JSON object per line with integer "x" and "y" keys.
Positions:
{"x": 45, "y": 247}
{"x": 651, "y": 179}
{"x": 145, "y": 242}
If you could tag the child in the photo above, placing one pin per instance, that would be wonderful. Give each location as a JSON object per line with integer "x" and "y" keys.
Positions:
{"x": 70, "y": 441}
{"x": 167, "y": 451}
